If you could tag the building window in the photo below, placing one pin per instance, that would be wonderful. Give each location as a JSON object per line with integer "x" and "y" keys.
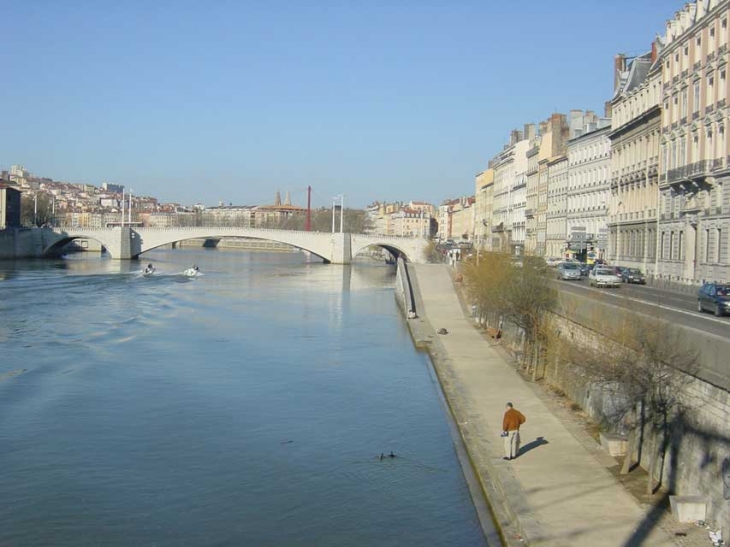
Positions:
{"x": 707, "y": 246}
{"x": 696, "y": 98}
{"x": 680, "y": 242}
{"x": 719, "y": 245}
{"x": 699, "y": 41}
{"x": 710, "y": 90}
{"x": 685, "y": 102}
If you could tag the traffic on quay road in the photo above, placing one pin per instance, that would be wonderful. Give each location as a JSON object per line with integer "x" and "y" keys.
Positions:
{"x": 706, "y": 308}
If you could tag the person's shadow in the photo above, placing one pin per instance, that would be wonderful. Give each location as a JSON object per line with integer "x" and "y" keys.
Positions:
{"x": 532, "y": 445}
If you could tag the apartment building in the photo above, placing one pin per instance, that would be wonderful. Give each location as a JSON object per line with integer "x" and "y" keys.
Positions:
{"x": 588, "y": 190}
{"x": 483, "y": 205}
{"x": 694, "y": 207}
{"x": 635, "y": 141}
{"x": 557, "y": 197}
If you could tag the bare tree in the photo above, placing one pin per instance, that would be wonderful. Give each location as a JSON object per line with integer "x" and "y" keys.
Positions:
{"x": 644, "y": 367}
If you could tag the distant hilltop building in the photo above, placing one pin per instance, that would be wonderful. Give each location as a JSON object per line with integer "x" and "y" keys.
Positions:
{"x": 9, "y": 207}
{"x": 111, "y": 187}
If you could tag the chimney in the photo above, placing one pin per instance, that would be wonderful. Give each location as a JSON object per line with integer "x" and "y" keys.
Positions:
{"x": 654, "y": 52}
{"x": 514, "y": 137}
{"x": 619, "y": 66}
{"x": 607, "y": 109}
{"x": 529, "y": 131}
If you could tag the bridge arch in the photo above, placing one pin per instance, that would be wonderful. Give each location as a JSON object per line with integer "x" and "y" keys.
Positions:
{"x": 54, "y": 248}
{"x": 394, "y": 250}
{"x": 319, "y": 244}
{"x": 214, "y": 235}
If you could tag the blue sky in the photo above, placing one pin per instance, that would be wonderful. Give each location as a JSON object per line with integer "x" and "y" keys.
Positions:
{"x": 233, "y": 100}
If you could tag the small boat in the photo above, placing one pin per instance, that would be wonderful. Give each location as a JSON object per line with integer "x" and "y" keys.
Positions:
{"x": 191, "y": 272}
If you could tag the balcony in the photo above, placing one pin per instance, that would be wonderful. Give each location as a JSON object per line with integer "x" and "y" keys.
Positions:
{"x": 675, "y": 175}
{"x": 685, "y": 73}
{"x": 683, "y": 121}
{"x": 697, "y": 66}
{"x": 697, "y": 168}
{"x": 709, "y": 109}
{"x": 717, "y": 164}
{"x": 695, "y": 115}
{"x": 674, "y": 126}
{"x": 721, "y": 103}
{"x": 710, "y": 56}
{"x": 675, "y": 79}
{"x": 722, "y": 50}
{"x": 529, "y": 212}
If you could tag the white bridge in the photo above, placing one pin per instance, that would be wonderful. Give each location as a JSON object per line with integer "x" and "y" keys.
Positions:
{"x": 125, "y": 243}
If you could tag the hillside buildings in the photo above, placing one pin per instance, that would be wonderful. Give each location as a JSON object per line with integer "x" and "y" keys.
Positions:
{"x": 412, "y": 219}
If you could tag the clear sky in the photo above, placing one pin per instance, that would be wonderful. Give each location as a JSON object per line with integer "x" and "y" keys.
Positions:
{"x": 196, "y": 101}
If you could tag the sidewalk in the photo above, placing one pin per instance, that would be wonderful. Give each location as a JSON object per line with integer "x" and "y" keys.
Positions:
{"x": 556, "y": 493}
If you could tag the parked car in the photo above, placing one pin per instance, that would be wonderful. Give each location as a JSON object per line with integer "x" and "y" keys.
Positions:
{"x": 633, "y": 275}
{"x": 553, "y": 262}
{"x": 714, "y": 297}
{"x": 585, "y": 269}
{"x": 603, "y": 277}
{"x": 569, "y": 271}
{"x": 617, "y": 270}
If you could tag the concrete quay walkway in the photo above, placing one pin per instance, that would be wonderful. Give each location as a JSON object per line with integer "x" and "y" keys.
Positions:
{"x": 556, "y": 493}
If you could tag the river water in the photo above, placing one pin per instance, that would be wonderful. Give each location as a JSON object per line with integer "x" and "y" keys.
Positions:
{"x": 245, "y": 407}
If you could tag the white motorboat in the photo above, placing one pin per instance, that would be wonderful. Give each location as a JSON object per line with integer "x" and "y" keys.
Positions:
{"x": 149, "y": 270}
{"x": 192, "y": 272}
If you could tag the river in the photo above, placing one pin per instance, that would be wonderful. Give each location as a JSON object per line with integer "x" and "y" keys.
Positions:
{"x": 245, "y": 407}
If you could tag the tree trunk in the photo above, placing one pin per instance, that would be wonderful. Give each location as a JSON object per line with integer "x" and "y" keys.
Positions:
{"x": 650, "y": 468}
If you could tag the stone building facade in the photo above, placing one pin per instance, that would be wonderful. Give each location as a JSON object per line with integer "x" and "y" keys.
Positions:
{"x": 635, "y": 136}
{"x": 483, "y": 203}
{"x": 557, "y": 170}
{"x": 694, "y": 201}
{"x": 589, "y": 172}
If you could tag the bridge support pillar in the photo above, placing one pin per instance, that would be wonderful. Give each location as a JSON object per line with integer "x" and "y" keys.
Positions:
{"x": 126, "y": 245}
{"x": 341, "y": 249}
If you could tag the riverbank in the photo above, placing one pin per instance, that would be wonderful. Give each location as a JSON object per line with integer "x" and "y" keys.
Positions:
{"x": 557, "y": 492}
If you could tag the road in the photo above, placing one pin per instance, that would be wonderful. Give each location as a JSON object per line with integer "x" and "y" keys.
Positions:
{"x": 679, "y": 308}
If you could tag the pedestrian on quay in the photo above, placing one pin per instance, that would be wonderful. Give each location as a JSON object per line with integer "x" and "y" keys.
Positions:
{"x": 511, "y": 423}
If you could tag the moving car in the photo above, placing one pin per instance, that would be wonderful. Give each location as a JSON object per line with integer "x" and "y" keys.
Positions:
{"x": 633, "y": 275}
{"x": 601, "y": 276}
{"x": 569, "y": 271}
{"x": 714, "y": 297}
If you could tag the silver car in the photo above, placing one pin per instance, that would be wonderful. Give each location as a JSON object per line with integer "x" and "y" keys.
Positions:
{"x": 603, "y": 277}
{"x": 569, "y": 271}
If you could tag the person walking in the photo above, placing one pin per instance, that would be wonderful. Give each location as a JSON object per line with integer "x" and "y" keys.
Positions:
{"x": 511, "y": 423}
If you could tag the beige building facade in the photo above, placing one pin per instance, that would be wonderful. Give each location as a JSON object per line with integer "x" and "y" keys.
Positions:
{"x": 694, "y": 201}
{"x": 635, "y": 142}
{"x": 483, "y": 205}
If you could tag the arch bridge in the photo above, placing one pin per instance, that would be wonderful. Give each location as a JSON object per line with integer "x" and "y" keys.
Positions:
{"x": 125, "y": 243}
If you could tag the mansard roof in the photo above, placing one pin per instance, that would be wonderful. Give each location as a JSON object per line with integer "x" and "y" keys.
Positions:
{"x": 634, "y": 75}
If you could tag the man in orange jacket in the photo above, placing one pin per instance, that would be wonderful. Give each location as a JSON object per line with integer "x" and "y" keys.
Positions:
{"x": 511, "y": 423}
